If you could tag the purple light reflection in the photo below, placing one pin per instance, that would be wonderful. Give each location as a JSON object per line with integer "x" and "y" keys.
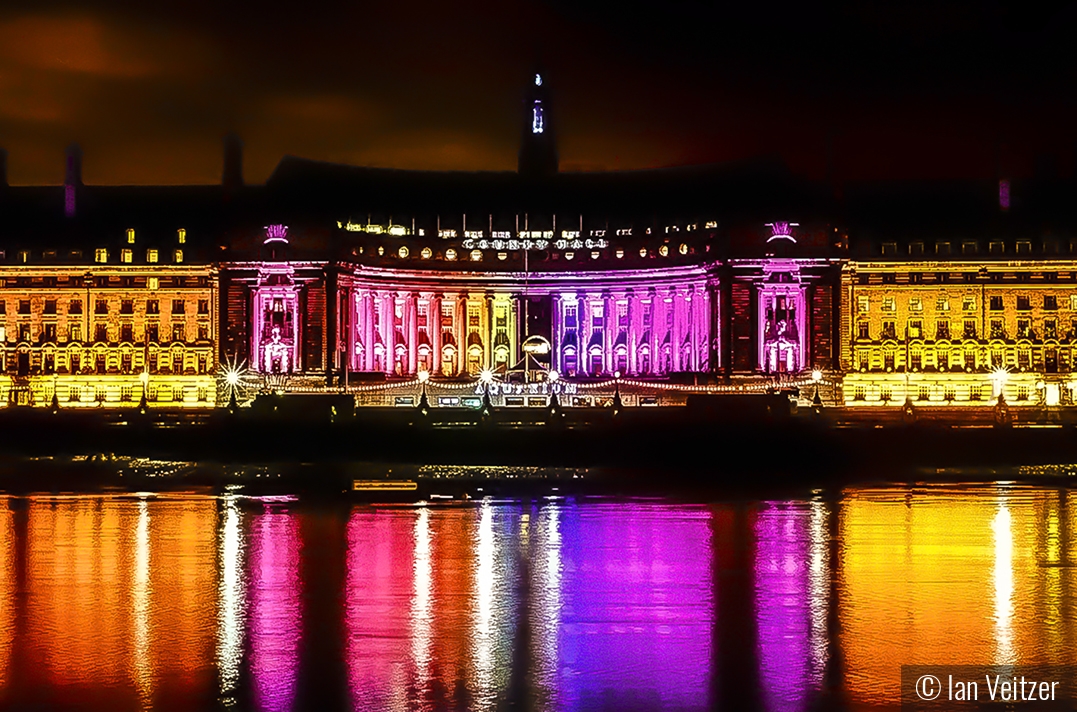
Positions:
{"x": 275, "y": 612}
{"x": 636, "y": 607}
{"x": 785, "y": 609}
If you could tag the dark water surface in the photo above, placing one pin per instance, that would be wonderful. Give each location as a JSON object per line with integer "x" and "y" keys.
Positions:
{"x": 190, "y": 602}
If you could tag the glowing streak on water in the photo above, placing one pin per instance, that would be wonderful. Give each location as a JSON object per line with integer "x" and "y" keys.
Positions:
{"x": 230, "y": 615}
{"x": 421, "y": 610}
{"x": 485, "y": 585}
{"x": 818, "y": 586}
{"x": 1003, "y": 574}
{"x": 141, "y": 595}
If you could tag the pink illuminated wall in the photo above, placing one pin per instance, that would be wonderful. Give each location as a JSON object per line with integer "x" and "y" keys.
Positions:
{"x": 782, "y": 319}
{"x": 275, "y": 336}
{"x": 275, "y": 598}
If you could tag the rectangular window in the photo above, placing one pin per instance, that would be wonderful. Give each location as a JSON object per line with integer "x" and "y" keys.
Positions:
{"x": 975, "y": 393}
{"x": 50, "y": 306}
{"x": 152, "y": 283}
{"x": 916, "y": 328}
{"x": 100, "y": 255}
{"x": 178, "y": 306}
{"x": 181, "y": 236}
{"x": 127, "y": 306}
{"x": 889, "y": 304}
{"x": 130, "y": 236}
{"x": 997, "y": 330}
{"x": 859, "y": 393}
{"x": 1024, "y": 329}
{"x": 177, "y": 256}
{"x": 75, "y": 332}
{"x": 916, "y": 304}
{"x": 949, "y": 394}
{"x": 101, "y": 332}
{"x": 1050, "y": 302}
{"x": 203, "y": 308}
{"x": 888, "y": 361}
{"x": 915, "y": 361}
{"x": 100, "y": 307}
{"x": 970, "y": 360}
{"x": 924, "y": 394}
{"x": 863, "y": 330}
{"x": 970, "y": 329}
{"x": 1073, "y": 302}
{"x": 596, "y": 314}
{"x": 203, "y": 332}
{"x": 178, "y": 332}
{"x": 942, "y": 304}
{"x": 1024, "y": 303}
{"x": 3, "y": 307}
{"x": 968, "y": 304}
{"x": 622, "y": 315}
{"x": 125, "y": 333}
{"x": 126, "y": 256}
{"x": 24, "y": 306}
{"x": 74, "y": 307}
{"x": 152, "y": 333}
{"x": 1050, "y": 329}
{"x": 942, "y": 248}
{"x": 153, "y": 306}
{"x": 862, "y": 304}
{"x": 151, "y": 256}
{"x": 942, "y": 330}
{"x": 889, "y": 330}
{"x": 969, "y": 247}
{"x": 1022, "y": 393}
{"x": 995, "y": 303}
{"x": 50, "y": 332}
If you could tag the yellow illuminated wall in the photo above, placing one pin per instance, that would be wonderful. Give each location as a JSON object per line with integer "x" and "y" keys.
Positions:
{"x": 936, "y": 331}
{"x": 86, "y": 335}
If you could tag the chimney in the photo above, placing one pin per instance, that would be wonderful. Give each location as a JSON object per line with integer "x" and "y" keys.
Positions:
{"x": 233, "y": 162}
{"x": 72, "y": 178}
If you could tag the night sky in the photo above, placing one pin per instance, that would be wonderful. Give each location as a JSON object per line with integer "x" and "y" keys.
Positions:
{"x": 148, "y": 89}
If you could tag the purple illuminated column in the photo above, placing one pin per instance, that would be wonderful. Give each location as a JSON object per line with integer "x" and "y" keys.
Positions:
{"x": 368, "y": 309}
{"x": 557, "y": 336}
{"x": 633, "y": 331}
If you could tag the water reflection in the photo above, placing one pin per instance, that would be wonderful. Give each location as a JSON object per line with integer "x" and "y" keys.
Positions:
{"x": 188, "y": 602}
{"x": 274, "y": 609}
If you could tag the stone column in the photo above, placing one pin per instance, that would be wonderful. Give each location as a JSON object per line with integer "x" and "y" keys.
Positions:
{"x": 433, "y": 320}
{"x": 692, "y": 299}
{"x": 461, "y": 333}
{"x": 633, "y": 331}
{"x": 411, "y": 323}
{"x": 488, "y": 342}
{"x": 557, "y": 339}
{"x": 390, "y": 333}
{"x": 609, "y": 332}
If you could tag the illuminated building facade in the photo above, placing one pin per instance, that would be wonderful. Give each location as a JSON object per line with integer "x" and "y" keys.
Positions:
{"x": 962, "y": 331}
{"x": 108, "y": 332}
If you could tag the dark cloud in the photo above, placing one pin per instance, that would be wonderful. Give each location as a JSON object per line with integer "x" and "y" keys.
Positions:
{"x": 902, "y": 89}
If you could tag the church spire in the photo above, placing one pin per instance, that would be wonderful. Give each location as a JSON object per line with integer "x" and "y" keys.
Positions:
{"x": 538, "y": 145}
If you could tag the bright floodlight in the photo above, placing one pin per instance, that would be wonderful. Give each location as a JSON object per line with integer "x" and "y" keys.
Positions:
{"x": 553, "y": 376}
{"x": 816, "y": 375}
{"x": 616, "y": 374}
{"x": 424, "y": 376}
{"x": 232, "y": 377}
{"x": 486, "y": 375}
{"x": 1000, "y": 375}
{"x": 144, "y": 377}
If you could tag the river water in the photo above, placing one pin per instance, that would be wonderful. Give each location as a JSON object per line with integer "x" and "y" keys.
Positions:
{"x": 198, "y": 601}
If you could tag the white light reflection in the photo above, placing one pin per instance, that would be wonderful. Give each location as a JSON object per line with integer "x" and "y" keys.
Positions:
{"x": 818, "y": 586}
{"x": 1002, "y": 526}
{"x": 547, "y": 608}
{"x": 421, "y": 619}
{"x": 141, "y": 596}
{"x": 486, "y": 583}
{"x": 230, "y": 611}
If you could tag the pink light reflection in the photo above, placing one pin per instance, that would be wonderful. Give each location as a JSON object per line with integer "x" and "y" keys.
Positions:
{"x": 275, "y": 611}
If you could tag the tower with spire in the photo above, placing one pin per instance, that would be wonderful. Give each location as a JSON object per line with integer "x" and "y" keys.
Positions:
{"x": 538, "y": 145}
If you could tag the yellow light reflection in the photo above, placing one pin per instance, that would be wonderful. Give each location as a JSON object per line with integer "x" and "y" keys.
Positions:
{"x": 421, "y": 600}
{"x": 818, "y": 585}
{"x": 1003, "y": 575}
{"x": 486, "y": 582}
{"x": 7, "y": 589}
{"x": 140, "y": 591}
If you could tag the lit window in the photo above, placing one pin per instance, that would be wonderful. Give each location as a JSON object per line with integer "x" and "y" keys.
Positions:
{"x": 130, "y": 236}
{"x": 619, "y": 254}
{"x": 663, "y": 251}
{"x": 24, "y": 256}
{"x": 683, "y": 249}
{"x": 968, "y": 304}
{"x": 476, "y": 255}
{"x": 126, "y": 255}
{"x": 181, "y": 236}
{"x": 151, "y": 283}
{"x": 502, "y": 255}
{"x": 943, "y": 304}
{"x": 569, "y": 255}
{"x": 889, "y": 304}
{"x": 177, "y": 256}
{"x": 594, "y": 255}
{"x": 426, "y": 253}
{"x": 151, "y": 256}
{"x": 1073, "y": 302}
{"x": 916, "y": 304}
{"x": 536, "y": 118}
{"x": 643, "y": 252}
{"x": 100, "y": 255}
{"x": 403, "y": 252}
{"x": 862, "y": 304}
{"x": 450, "y": 254}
